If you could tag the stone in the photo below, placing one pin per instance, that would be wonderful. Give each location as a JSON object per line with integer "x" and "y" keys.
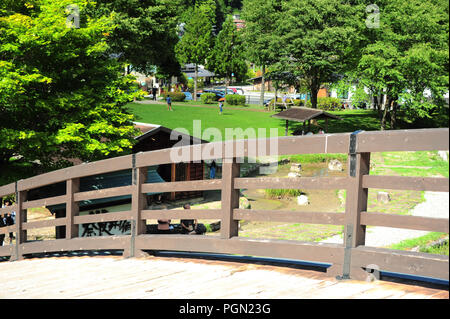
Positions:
{"x": 293, "y": 174}
{"x": 383, "y": 197}
{"x": 244, "y": 203}
{"x": 302, "y": 200}
{"x": 296, "y": 167}
{"x": 443, "y": 155}
{"x": 335, "y": 165}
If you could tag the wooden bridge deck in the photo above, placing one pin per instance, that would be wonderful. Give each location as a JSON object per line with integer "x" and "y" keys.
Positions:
{"x": 87, "y": 277}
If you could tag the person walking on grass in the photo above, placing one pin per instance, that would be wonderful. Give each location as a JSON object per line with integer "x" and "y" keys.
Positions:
{"x": 169, "y": 103}
{"x": 220, "y": 107}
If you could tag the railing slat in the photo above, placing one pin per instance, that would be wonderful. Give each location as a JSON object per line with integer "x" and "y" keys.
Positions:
{"x": 101, "y": 218}
{"x": 435, "y": 184}
{"x": 182, "y": 214}
{"x": 7, "y": 189}
{"x": 404, "y": 140}
{"x": 403, "y": 221}
{"x": 44, "y": 223}
{"x": 103, "y": 193}
{"x": 200, "y": 185}
{"x": 45, "y": 202}
{"x": 289, "y": 216}
{"x": 292, "y": 183}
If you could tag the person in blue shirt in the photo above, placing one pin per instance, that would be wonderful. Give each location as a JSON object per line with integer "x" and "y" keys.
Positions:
{"x": 220, "y": 107}
{"x": 169, "y": 103}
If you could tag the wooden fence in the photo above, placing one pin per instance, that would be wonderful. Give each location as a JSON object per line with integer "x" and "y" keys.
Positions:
{"x": 349, "y": 260}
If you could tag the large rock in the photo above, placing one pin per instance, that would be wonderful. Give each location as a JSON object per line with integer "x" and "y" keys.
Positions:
{"x": 335, "y": 165}
{"x": 296, "y": 167}
{"x": 383, "y": 197}
{"x": 244, "y": 203}
{"x": 294, "y": 174}
{"x": 302, "y": 200}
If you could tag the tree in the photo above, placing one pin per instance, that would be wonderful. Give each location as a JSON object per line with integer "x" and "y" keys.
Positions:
{"x": 227, "y": 57}
{"x": 61, "y": 95}
{"x": 407, "y": 55}
{"x": 319, "y": 39}
{"x": 197, "y": 39}
{"x": 261, "y": 42}
{"x": 145, "y": 32}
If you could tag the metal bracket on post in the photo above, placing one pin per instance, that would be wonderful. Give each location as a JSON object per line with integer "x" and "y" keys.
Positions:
{"x": 347, "y": 254}
{"x": 352, "y": 152}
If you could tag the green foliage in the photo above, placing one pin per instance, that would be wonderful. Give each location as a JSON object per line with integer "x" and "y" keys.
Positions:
{"x": 61, "y": 96}
{"x": 208, "y": 98}
{"x": 282, "y": 193}
{"x": 227, "y": 57}
{"x": 175, "y": 96}
{"x": 235, "y": 99}
{"x": 328, "y": 103}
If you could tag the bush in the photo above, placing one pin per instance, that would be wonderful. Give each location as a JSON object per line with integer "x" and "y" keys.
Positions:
{"x": 208, "y": 98}
{"x": 328, "y": 103}
{"x": 282, "y": 193}
{"x": 235, "y": 99}
{"x": 175, "y": 96}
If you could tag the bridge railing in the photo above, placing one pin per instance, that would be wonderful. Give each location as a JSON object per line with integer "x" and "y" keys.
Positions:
{"x": 349, "y": 260}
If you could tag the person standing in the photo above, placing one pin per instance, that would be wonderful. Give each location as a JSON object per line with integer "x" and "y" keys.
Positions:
{"x": 154, "y": 93}
{"x": 10, "y": 219}
{"x": 169, "y": 103}
{"x": 212, "y": 170}
{"x": 220, "y": 107}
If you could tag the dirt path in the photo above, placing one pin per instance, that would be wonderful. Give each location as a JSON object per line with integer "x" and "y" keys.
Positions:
{"x": 436, "y": 205}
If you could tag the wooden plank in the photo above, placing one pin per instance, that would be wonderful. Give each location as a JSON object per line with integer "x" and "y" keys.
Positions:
{"x": 82, "y": 170}
{"x": 356, "y": 201}
{"x": 21, "y": 218}
{"x": 100, "y": 218}
{"x": 290, "y": 249}
{"x": 435, "y": 184}
{"x": 197, "y": 185}
{"x": 8, "y": 229}
{"x": 72, "y": 207}
{"x": 8, "y": 189}
{"x": 44, "y": 223}
{"x": 292, "y": 183}
{"x": 45, "y": 202}
{"x": 400, "y": 261}
{"x": 289, "y": 216}
{"x": 6, "y": 250}
{"x": 182, "y": 214}
{"x": 103, "y": 193}
{"x": 287, "y": 145}
{"x": 403, "y": 140}
{"x": 74, "y": 244}
{"x": 230, "y": 198}
{"x": 8, "y": 209}
{"x": 403, "y": 221}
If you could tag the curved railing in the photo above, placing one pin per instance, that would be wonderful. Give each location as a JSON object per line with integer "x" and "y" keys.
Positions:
{"x": 348, "y": 259}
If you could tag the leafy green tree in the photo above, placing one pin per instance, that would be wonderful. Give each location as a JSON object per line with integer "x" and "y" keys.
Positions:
{"x": 144, "y": 33}
{"x": 61, "y": 95}
{"x": 197, "y": 40}
{"x": 261, "y": 42}
{"x": 319, "y": 39}
{"x": 407, "y": 54}
{"x": 227, "y": 57}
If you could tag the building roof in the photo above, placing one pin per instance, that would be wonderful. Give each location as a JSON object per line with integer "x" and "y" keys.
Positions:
{"x": 302, "y": 114}
{"x": 189, "y": 70}
{"x": 149, "y": 130}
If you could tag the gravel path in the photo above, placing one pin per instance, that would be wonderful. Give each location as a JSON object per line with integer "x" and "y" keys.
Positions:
{"x": 436, "y": 205}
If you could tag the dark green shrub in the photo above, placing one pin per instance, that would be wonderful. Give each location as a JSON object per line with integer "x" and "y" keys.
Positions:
{"x": 282, "y": 193}
{"x": 328, "y": 103}
{"x": 235, "y": 99}
{"x": 208, "y": 98}
{"x": 175, "y": 96}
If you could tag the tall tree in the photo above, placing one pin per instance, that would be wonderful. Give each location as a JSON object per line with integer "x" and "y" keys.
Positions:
{"x": 318, "y": 39}
{"x": 197, "y": 40}
{"x": 407, "y": 55}
{"x": 61, "y": 95}
{"x": 145, "y": 32}
{"x": 261, "y": 18}
{"x": 227, "y": 57}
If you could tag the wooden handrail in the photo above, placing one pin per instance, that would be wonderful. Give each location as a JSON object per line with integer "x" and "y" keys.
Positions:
{"x": 348, "y": 259}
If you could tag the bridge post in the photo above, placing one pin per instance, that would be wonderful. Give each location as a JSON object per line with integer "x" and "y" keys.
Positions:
{"x": 21, "y": 217}
{"x": 356, "y": 202}
{"x": 230, "y": 198}
{"x": 72, "y": 207}
{"x": 138, "y": 203}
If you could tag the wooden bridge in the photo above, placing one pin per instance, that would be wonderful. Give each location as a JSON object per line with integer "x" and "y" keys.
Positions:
{"x": 350, "y": 260}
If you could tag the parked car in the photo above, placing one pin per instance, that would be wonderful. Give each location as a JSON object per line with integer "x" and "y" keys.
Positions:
{"x": 222, "y": 89}
{"x": 218, "y": 93}
{"x": 188, "y": 96}
{"x": 238, "y": 91}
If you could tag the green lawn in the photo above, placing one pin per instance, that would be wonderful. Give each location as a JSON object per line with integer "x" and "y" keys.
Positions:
{"x": 185, "y": 113}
